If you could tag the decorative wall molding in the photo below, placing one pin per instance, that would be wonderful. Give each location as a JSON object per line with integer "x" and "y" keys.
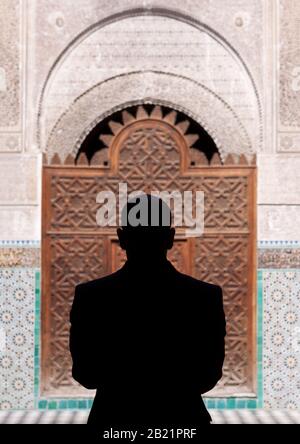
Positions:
{"x": 10, "y": 142}
{"x": 241, "y": 18}
{"x": 271, "y": 254}
{"x": 17, "y": 221}
{"x": 289, "y": 142}
{"x": 68, "y": 31}
{"x": 113, "y": 49}
{"x": 288, "y": 82}
{"x": 278, "y": 244}
{"x": 278, "y": 254}
{"x": 279, "y": 258}
{"x": 20, "y": 243}
{"x": 277, "y": 222}
{"x": 10, "y": 65}
{"x": 278, "y": 184}
{"x": 20, "y": 257}
{"x": 19, "y": 179}
{"x": 201, "y": 104}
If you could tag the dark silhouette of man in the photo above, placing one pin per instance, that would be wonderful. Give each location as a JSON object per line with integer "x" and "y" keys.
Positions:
{"x": 149, "y": 338}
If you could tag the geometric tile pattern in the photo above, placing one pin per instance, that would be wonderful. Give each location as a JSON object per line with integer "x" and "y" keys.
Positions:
{"x": 17, "y": 317}
{"x": 278, "y": 341}
{"x": 218, "y": 417}
{"x": 44, "y": 403}
{"x": 281, "y": 299}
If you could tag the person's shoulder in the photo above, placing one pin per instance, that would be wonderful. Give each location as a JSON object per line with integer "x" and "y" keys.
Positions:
{"x": 99, "y": 283}
{"x": 198, "y": 284}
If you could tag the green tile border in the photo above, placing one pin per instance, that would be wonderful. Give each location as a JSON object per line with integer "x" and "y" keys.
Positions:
{"x": 37, "y": 337}
{"x": 231, "y": 403}
{"x": 64, "y": 404}
{"x": 48, "y": 403}
{"x": 211, "y": 403}
{"x": 243, "y": 402}
{"x": 260, "y": 336}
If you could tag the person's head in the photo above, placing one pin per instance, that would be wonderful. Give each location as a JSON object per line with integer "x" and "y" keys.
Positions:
{"x": 146, "y": 231}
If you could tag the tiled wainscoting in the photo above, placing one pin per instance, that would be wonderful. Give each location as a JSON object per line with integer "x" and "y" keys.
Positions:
{"x": 281, "y": 338}
{"x": 278, "y": 331}
{"x": 244, "y": 416}
{"x": 17, "y": 317}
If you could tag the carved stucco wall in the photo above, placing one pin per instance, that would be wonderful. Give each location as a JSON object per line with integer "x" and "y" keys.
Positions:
{"x": 279, "y": 162}
{"x": 262, "y": 34}
{"x": 11, "y": 26}
{"x": 176, "y": 91}
{"x": 101, "y": 39}
{"x": 194, "y": 70}
{"x": 19, "y": 171}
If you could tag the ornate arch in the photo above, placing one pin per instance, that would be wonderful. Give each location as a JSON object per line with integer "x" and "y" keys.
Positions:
{"x": 192, "y": 98}
{"x": 154, "y": 98}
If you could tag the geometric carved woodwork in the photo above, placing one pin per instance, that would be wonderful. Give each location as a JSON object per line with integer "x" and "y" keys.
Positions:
{"x": 149, "y": 152}
{"x": 223, "y": 259}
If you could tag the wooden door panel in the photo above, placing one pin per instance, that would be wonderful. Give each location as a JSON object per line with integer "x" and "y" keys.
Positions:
{"x": 149, "y": 154}
{"x": 223, "y": 260}
{"x": 71, "y": 259}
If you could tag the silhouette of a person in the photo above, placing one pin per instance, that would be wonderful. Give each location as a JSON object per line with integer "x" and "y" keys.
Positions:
{"x": 149, "y": 338}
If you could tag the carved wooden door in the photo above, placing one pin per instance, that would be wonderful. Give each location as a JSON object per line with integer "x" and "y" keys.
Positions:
{"x": 148, "y": 152}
